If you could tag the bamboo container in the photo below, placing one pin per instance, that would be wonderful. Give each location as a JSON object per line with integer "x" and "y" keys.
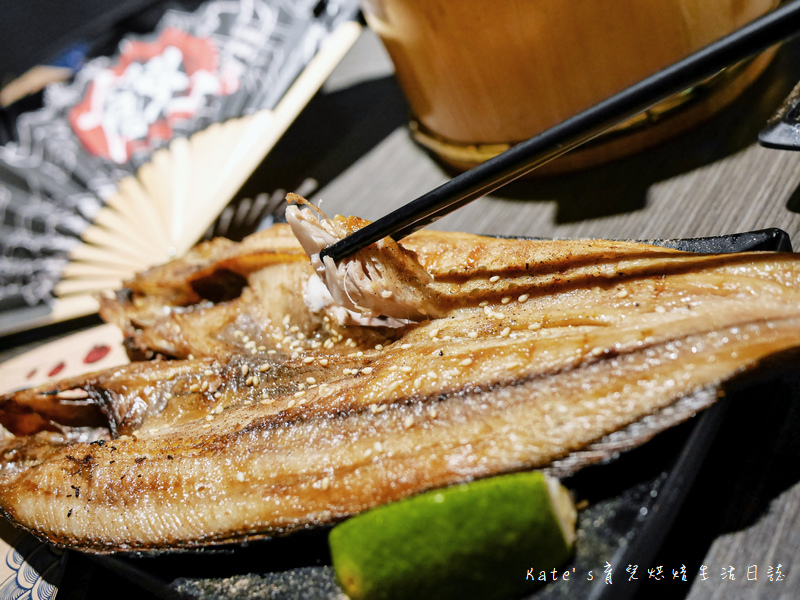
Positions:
{"x": 481, "y": 75}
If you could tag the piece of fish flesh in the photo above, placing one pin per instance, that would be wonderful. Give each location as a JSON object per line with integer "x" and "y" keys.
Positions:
{"x": 272, "y": 413}
{"x": 383, "y": 280}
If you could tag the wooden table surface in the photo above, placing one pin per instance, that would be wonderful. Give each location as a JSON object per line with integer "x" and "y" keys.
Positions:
{"x": 352, "y": 147}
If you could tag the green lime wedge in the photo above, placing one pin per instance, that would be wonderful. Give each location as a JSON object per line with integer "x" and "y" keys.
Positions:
{"x": 476, "y": 540}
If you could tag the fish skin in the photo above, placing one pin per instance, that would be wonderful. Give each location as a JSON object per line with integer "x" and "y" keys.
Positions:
{"x": 617, "y": 331}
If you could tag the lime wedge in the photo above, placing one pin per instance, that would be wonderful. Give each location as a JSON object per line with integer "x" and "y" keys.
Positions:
{"x": 476, "y": 540}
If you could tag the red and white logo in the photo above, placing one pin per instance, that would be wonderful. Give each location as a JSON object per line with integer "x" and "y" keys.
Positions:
{"x": 136, "y": 104}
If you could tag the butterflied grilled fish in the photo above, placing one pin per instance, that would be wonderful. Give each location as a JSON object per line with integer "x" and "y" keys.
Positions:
{"x": 273, "y": 405}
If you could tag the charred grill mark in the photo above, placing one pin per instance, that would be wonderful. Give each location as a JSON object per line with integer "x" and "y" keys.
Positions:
{"x": 512, "y": 282}
{"x": 560, "y": 264}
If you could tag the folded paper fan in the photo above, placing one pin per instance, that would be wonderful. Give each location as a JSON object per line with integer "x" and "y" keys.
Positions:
{"x": 128, "y": 164}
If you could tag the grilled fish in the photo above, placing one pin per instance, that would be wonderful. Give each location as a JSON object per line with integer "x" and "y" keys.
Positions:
{"x": 267, "y": 410}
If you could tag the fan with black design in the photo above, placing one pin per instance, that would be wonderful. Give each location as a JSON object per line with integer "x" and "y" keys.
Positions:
{"x": 130, "y": 162}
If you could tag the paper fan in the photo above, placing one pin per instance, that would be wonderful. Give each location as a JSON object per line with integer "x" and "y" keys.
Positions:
{"x": 128, "y": 164}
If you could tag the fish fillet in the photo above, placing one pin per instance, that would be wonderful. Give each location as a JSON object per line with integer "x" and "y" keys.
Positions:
{"x": 264, "y": 411}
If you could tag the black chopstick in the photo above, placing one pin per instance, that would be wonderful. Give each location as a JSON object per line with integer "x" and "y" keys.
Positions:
{"x": 751, "y": 39}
